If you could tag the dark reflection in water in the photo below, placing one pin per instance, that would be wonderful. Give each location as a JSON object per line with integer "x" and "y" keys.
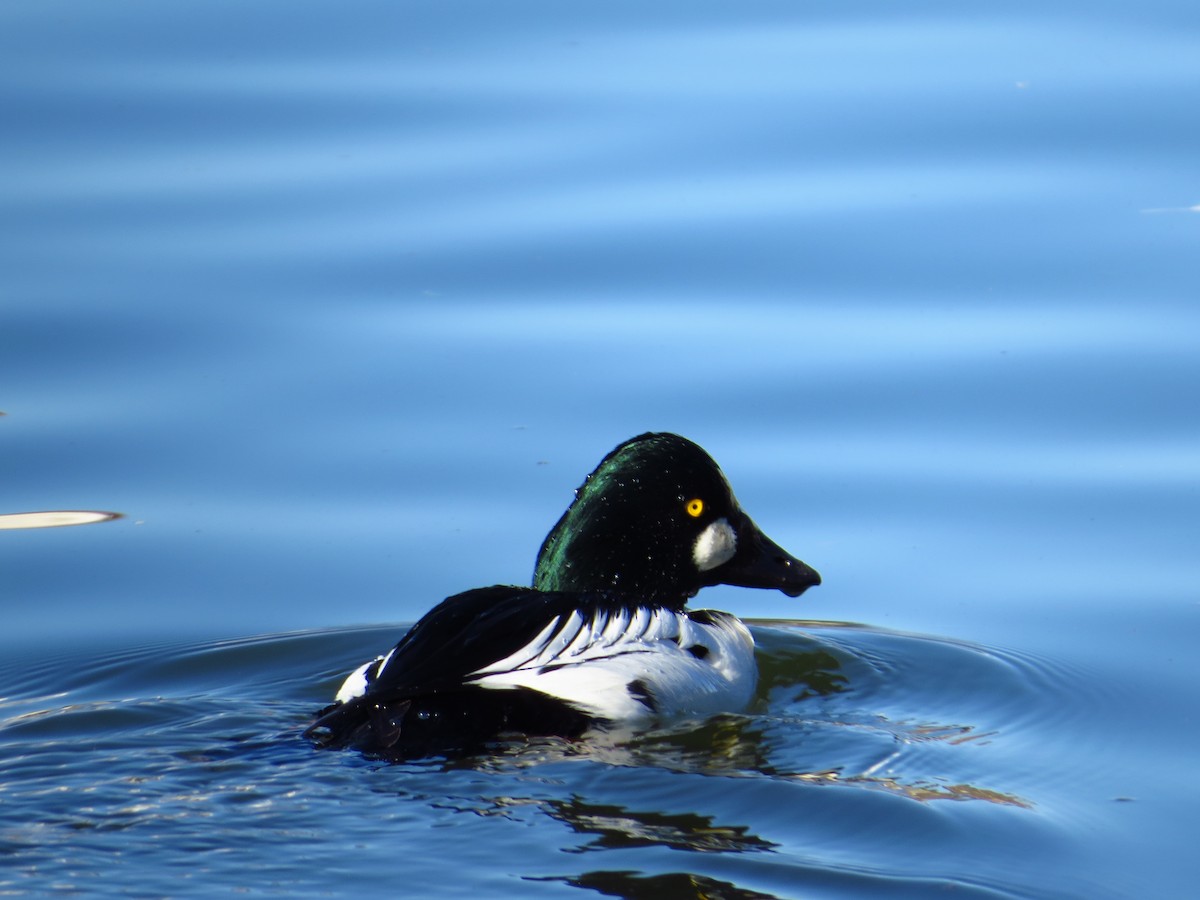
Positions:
{"x": 616, "y": 826}
{"x": 692, "y": 886}
{"x": 812, "y": 668}
{"x": 674, "y": 886}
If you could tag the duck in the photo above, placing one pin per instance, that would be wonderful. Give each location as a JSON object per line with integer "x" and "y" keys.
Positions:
{"x": 602, "y": 639}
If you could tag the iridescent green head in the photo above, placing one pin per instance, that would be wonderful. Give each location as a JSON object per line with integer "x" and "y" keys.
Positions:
{"x": 658, "y": 521}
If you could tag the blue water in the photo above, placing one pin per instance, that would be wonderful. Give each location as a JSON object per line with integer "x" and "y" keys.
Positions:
{"x": 337, "y": 305}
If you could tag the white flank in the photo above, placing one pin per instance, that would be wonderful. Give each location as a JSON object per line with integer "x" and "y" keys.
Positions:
{"x": 592, "y": 663}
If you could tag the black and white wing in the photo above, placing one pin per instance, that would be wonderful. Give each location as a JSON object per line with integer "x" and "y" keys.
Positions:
{"x": 546, "y": 663}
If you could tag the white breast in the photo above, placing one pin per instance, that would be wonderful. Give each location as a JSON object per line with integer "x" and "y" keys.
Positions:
{"x": 635, "y": 667}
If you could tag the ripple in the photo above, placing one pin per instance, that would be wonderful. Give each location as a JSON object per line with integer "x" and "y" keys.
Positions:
{"x": 827, "y": 780}
{"x": 927, "y": 717}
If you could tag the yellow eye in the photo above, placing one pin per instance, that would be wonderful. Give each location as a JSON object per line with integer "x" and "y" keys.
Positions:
{"x": 695, "y": 507}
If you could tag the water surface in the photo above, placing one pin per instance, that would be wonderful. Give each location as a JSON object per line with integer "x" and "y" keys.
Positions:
{"x": 336, "y": 307}
{"x": 857, "y": 750}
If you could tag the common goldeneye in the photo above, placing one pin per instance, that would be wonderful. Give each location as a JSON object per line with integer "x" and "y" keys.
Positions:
{"x": 603, "y": 637}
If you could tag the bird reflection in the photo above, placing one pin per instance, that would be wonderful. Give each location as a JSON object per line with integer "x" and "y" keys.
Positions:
{"x": 669, "y": 886}
{"x": 619, "y": 827}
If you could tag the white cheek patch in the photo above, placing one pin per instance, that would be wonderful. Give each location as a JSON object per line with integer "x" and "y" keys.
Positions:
{"x": 716, "y": 545}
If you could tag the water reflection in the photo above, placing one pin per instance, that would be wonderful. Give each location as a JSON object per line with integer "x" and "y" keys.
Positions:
{"x": 922, "y": 791}
{"x": 670, "y": 886}
{"x": 617, "y": 827}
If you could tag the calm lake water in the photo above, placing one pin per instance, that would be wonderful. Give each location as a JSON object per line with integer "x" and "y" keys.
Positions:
{"x": 337, "y": 305}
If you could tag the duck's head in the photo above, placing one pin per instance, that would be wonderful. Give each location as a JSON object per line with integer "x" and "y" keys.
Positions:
{"x": 657, "y": 520}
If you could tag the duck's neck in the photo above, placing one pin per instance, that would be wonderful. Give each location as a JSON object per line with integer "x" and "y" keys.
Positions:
{"x": 591, "y": 566}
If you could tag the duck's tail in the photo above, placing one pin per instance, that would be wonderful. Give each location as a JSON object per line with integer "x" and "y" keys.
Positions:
{"x": 454, "y": 721}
